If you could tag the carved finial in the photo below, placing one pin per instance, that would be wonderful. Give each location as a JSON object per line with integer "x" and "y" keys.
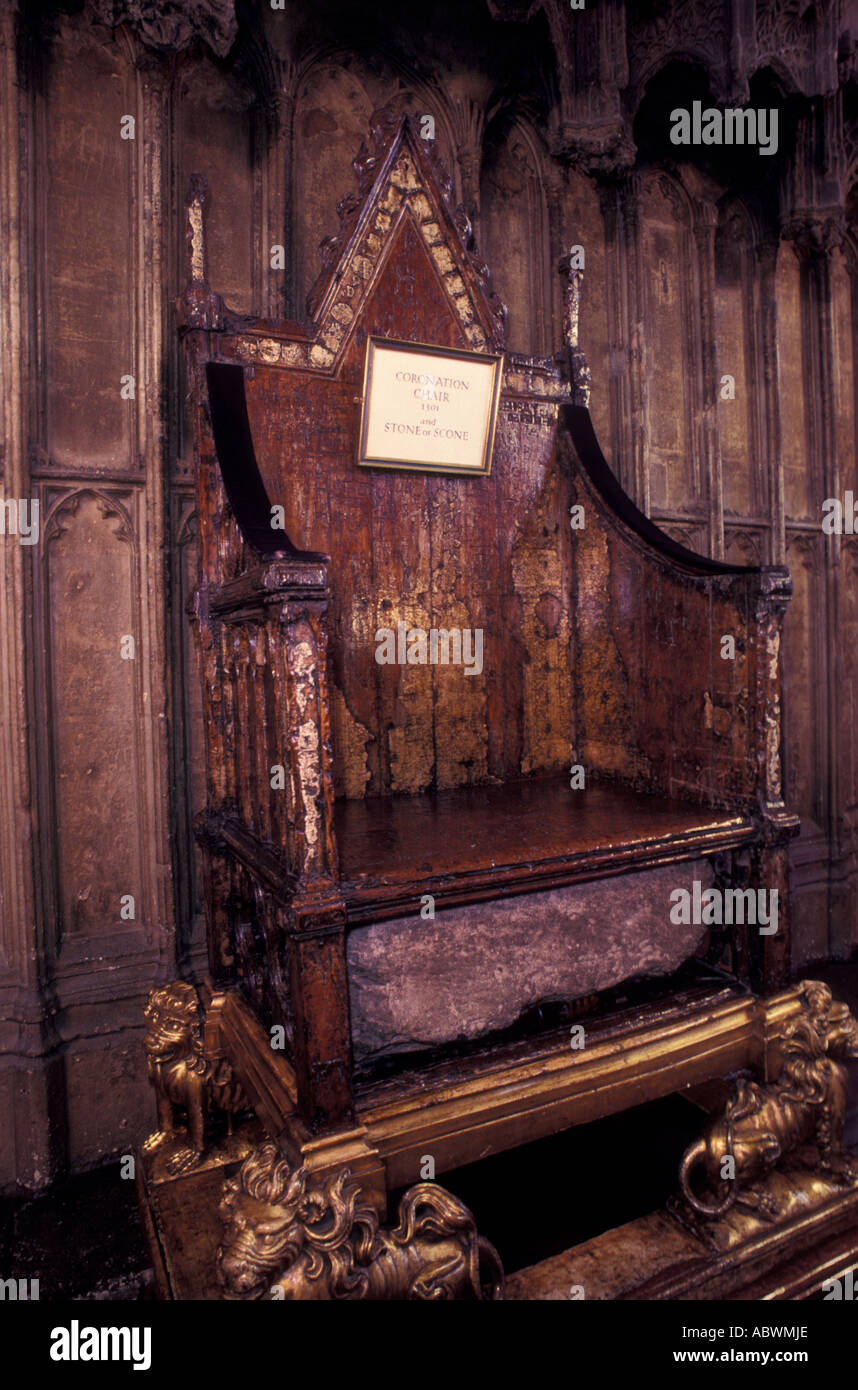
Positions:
{"x": 198, "y": 307}
{"x": 572, "y": 266}
{"x": 195, "y": 231}
{"x": 575, "y": 279}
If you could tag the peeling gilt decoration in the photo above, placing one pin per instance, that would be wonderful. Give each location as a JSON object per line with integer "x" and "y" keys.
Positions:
{"x": 777, "y": 591}
{"x": 773, "y": 713}
{"x": 404, "y": 188}
{"x": 581, "y": 375}
{"x": 534, "y": 381}
{"x": 302, "y": 678}
{"x": 351, "y": 265}
{"x": 290, "y": 1235}
{"x": 199, "y": 307}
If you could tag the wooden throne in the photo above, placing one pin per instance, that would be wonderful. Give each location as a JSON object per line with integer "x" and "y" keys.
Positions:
{"x": 439, "y": 900}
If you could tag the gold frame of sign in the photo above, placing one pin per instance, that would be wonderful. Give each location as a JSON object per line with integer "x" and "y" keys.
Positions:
{"x": 383, "y": 399}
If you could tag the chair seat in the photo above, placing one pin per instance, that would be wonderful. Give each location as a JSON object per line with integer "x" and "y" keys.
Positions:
{"x": 478, "y": 843}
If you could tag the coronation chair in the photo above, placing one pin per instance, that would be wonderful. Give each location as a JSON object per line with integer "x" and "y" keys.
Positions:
{"x": 440, "y": 901}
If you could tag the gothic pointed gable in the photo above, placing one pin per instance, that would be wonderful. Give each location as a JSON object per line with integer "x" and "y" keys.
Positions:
{"x": 402, "y": 185}
{"x": 403, "y": 264}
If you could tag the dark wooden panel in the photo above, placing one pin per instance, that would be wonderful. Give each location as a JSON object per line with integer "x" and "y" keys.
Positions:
{"x": 487, "y": 840}
{"x": 489, "y": 553}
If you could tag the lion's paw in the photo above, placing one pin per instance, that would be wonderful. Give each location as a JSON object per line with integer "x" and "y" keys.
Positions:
{"x": 763, "y": 1203}
{"x": 843, "y": 1170}
{"x": 182, "y": 1161}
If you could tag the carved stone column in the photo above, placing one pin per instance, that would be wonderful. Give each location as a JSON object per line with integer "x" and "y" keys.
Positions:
{"x": 152, "y": 348}
{"x": 626, "y": 310}
{"x": 592, "y": 70}
{"x": 767, "y": 266}
{"x": 274, "y": 115}
{"x": 559, "y": 238}
{"x": 26, "y": 1017}
{"x": 469, "y": 122}
{"x": 705, "y": 223}
{"x": 816, "y": 234}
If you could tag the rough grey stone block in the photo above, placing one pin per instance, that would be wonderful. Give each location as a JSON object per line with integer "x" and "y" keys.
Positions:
{"x": 417, "y": 983}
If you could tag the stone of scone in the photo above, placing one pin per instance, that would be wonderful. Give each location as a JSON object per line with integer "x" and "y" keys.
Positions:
{"x": 416, "y": 983}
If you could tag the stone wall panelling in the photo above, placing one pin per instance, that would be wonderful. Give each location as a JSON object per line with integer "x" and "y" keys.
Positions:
{"x": 849, "y": 571}
{"x": 625, "y": 294}
{"x": 846, "y": 665}
{"x": 86, "y": 201}
{"x": 189, "y": 772}
{"x": 737, "y": 358}
{"x": 514, "y": 234}
{"x": 805, "y": 745}
{"x": 97, "y": 305}
{"x": 331, "y": 120}
{"x": 29, "y": 1153}
{"x": 584, "y": 225}
{"x": 214, "y": 137}
{"x": 212, "y": 134}
{"x": 845, "y": 385}
{"x": 93, "y": 674}
{"x": 799, "y": 492}
{"x": 668, "y": 352}
{"x": 842, "y": 556}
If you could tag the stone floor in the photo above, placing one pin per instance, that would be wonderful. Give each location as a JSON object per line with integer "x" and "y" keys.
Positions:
{"x": 81, "y": 1240}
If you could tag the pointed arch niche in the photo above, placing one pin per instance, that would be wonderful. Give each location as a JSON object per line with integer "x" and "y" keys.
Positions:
{"x": 93, "y": 766}
{"x": 738, "y": 353}
{"x": 670, "y": 350}
{"x": 514, "y": 235}
{"x": 332, "y": 113}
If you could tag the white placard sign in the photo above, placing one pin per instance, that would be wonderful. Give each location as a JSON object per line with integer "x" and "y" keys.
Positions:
{"x": 428, "y": 408}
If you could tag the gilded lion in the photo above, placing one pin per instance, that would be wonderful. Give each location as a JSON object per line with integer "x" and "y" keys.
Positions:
{"x": 762, "y": 1125}
{"x": 183, "y": 1076}
{"x": 292, "y": 1236}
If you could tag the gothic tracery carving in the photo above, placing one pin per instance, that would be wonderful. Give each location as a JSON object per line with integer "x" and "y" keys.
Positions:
{"x": 174, "y": 24}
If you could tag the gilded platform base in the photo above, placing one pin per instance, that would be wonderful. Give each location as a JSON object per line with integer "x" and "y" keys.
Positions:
{"x": 246, "y": 1223}
{"x": 742, "y": 1256}
{"x": 768, "y": 1205}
